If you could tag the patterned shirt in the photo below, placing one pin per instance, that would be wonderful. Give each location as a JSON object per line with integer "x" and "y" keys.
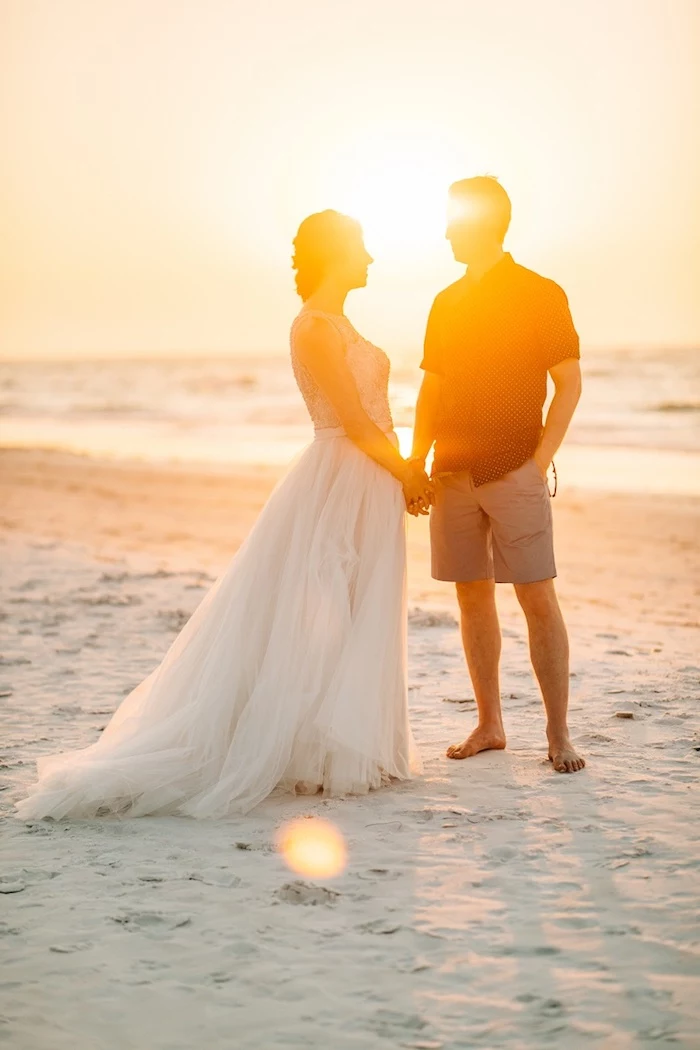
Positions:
{"x": 493, "y": 342}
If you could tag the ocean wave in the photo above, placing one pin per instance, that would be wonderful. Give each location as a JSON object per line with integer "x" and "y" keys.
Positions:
{"x": 108, "y": 408}
{"x": 217, "y": 384}
{"x": 676, "y": 406}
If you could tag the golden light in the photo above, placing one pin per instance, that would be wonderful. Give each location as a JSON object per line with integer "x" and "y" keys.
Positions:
{"x": 462, "y": 210}
{"x": 314, "y": 847}
{"x": 396, "y": 186}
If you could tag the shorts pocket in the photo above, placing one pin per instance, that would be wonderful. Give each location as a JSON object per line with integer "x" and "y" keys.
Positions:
{"x": 528, "y": 481}
{"x": 542, "y": 477}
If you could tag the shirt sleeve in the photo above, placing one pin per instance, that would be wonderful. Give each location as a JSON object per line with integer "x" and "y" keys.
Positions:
{"x": 558, "y": 338}
{"x": 432, "y": 347}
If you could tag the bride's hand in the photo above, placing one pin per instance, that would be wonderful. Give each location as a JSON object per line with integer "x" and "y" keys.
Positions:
{"x": 418, "y": 490}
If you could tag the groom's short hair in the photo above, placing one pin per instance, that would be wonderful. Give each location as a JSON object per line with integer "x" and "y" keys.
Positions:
{"x": 487, "y": 192}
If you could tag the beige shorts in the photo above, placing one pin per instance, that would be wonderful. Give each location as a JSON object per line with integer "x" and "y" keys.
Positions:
{"x": 501, "y": 530}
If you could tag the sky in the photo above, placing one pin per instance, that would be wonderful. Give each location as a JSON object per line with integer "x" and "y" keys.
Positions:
{"x": 158, "y": 156}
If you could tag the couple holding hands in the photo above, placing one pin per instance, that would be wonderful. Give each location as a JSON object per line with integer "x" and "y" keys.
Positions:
{"x": 291, "y": 673}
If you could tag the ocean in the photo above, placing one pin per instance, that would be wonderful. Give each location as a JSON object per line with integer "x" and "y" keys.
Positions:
{"x": 637, "y": 428}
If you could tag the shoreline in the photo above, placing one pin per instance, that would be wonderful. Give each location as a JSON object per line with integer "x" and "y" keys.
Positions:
{"x": 624, "y": 552}
{"x": 583, "y": 467}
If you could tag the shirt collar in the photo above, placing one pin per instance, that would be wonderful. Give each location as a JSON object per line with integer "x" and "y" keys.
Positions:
{"x": 499, "y": 269}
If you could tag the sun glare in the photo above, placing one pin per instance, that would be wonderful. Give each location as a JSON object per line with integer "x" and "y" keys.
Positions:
{"x": 313, "y": 847}
{"x": 396, "y": 188}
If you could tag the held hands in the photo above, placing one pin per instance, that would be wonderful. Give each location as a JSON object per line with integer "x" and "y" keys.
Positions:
{"x": 418, "y": 490}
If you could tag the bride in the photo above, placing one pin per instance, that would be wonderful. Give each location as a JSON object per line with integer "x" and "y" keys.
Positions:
{"x": 291, "y": 673}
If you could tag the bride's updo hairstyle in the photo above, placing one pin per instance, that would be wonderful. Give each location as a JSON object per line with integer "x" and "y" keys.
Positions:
{"x": 322, "y": 239}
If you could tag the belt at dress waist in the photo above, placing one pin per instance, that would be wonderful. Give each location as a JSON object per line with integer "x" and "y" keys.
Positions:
{"x": 326, "y": 433}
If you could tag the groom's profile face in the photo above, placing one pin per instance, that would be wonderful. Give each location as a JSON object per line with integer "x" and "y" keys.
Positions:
{"x": 471, "y": 228}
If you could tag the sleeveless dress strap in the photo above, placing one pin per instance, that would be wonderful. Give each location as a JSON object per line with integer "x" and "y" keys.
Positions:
{"x": 333, "y": 320}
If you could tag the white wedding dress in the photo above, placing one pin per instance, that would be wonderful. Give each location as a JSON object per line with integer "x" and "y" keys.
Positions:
{"x": 293, "y": 668}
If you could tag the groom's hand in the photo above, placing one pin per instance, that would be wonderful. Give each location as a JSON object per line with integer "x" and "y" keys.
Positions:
{"x": 418, "y": 491}
{"x": 542, "y": 460}
{"x": 427, "y": 496}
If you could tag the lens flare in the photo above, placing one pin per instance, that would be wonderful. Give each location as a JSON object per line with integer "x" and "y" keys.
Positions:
{"x": 461, "y": 211}
{"x": 313, "y": 847}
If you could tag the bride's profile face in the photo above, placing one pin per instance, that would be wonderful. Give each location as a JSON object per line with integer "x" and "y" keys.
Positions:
{"x": 354, "y": 266}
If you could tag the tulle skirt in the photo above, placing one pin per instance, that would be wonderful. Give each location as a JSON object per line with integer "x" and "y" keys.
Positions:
{"x": 291, "y": 671}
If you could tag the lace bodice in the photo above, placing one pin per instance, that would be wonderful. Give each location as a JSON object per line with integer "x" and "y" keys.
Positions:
{"x": 368, "y": 364}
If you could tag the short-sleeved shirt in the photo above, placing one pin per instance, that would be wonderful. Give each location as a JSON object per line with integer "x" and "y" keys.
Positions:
{"x": 493, "y": 342}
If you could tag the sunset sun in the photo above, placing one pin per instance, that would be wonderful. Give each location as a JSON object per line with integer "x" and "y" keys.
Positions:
{"x": 396, "y": 188}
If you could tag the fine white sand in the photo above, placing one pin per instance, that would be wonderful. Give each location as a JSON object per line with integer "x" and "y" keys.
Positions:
{"x": 492, "y": 903}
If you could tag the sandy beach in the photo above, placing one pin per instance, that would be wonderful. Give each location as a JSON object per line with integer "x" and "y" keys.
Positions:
{"x": 491, "y": 903}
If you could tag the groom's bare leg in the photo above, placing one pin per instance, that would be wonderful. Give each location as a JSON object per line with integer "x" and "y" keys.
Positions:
{"x": 549, "y": 652}
{"x": 481, "y": 637}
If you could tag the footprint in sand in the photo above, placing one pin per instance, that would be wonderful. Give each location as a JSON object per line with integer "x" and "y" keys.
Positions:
{"x": 421, "y": 816}
{"x": 113, "y": 577}
{"x": 379, "y": 926}
{"x": 11, "y": 885}
{"x": 306, "y": 893}
{"x": 253, "y": 847}
{"x": 16, "y": 881}
{"x": 389, "y": 1023}
{"x": 68, "y": 949}
{"x": 552, "y": 1008}
{"x": 119, "y": 600}
{"x": 173, "y": 619}
{"x": 150, "y": 920}
{"x": 221, "y": 977}
{"x": 223, "y": 879}
{"x": 30, "y": 585}
{"x": 427, "y": 618}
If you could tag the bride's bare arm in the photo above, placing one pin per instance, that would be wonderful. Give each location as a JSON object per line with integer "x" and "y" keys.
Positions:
{"x": 320, "y": 349}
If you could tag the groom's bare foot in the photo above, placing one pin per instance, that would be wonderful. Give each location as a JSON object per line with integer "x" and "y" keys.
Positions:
{"x": 564, "y": 758}
{"x": 479, "y": 740}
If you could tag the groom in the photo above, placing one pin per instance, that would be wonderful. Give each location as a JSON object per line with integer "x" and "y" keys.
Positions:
{"x": 492, "y": 338}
